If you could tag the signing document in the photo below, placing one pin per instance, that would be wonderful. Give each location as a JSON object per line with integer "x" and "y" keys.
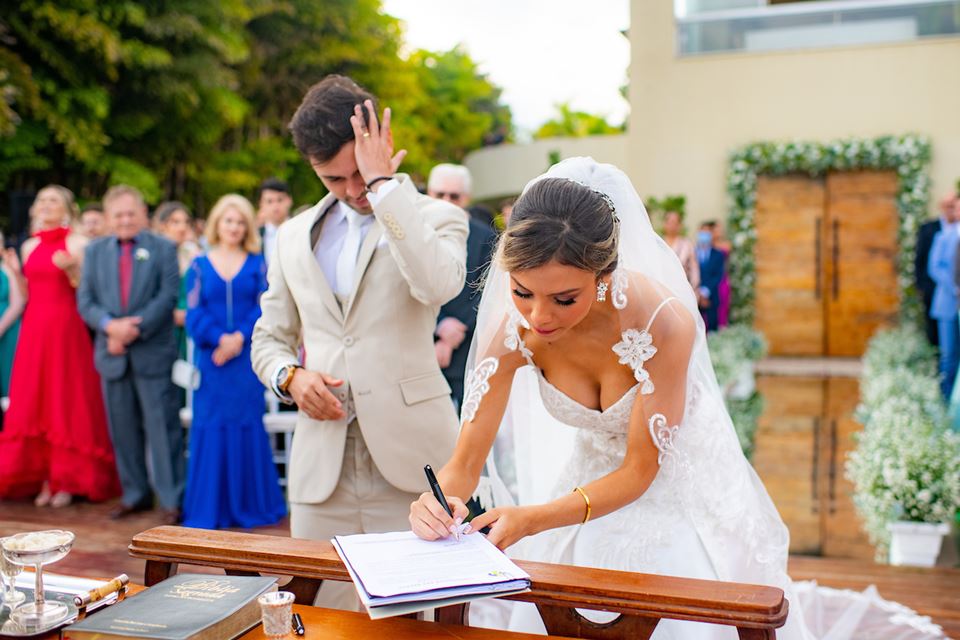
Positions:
{"x": 398, "y": 573}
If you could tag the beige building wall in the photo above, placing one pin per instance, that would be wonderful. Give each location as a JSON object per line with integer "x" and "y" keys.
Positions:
{"x": 687, "y": 114}
{"x": 503, "y": 170}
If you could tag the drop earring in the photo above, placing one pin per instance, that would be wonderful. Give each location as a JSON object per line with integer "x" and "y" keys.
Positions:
{"x": 602, "y": 291}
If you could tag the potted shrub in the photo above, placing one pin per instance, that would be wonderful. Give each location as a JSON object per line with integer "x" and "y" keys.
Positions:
{"x": 906, "y": 473}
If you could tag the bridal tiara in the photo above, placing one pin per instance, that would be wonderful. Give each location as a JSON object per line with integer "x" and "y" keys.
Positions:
{"x": 606, "y": 198}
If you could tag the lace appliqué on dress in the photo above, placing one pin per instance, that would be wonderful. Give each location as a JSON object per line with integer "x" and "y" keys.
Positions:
{"x": 634, "y": 349}
{"x": 513, "y": 341}
{"x": 477, "y": 386}
{"x": 663, "y": 436}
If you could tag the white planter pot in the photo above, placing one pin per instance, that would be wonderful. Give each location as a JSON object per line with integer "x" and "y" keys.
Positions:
{"x": 916, "y": 544}
{"x": 744, "y": 384}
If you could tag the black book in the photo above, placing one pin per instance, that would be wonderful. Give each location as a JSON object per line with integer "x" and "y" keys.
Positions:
{"x": 183, "y": 607}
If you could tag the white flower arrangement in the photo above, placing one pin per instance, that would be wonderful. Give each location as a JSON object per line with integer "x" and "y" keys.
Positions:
{"x": 906, "y": 465}
{"x": 908, "y": 155}
{"x": 142, "y": 254}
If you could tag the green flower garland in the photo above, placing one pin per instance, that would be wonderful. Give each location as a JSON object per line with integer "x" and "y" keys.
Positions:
{"x": 907, "y": 155}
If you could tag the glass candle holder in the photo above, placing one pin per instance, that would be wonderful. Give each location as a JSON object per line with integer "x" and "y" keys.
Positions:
{"x": 276, "y": 612}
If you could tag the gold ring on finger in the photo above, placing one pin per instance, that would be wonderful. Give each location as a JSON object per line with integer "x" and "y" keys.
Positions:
{"x": 366, "y": 134}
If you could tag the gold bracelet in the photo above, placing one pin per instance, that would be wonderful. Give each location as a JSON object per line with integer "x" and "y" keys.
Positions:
{"x": 586, "y": 499}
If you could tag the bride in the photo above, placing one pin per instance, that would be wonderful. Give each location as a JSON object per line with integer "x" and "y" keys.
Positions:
{"x": 593, "y": 407}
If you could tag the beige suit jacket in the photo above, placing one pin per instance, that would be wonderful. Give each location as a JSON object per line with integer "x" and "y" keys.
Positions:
{"x": 380, "y": 343}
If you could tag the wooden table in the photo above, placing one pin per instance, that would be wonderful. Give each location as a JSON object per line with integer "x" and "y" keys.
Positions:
{"x": 132, "y": 589}
{"x": 329, "y": 624}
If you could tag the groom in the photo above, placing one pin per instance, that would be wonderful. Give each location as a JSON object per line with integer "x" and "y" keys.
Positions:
{"x": 361, "y": 276}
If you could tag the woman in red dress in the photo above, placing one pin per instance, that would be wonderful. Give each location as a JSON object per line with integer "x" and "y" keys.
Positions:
{"x": 55, "y": 444}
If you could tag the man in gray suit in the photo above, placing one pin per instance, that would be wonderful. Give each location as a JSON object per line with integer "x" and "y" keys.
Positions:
{"x": 127, "y": 294}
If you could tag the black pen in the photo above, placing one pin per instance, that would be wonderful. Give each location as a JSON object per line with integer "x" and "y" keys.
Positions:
{"x": 438, "y": 494}
{"x": 298, "y": 625}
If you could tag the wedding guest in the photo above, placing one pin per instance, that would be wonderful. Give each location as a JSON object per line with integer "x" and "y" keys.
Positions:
{"x": 93, "y": 223}
{"x": 175, "y": 223}
{"x": 55, "y": 443}
{"x": 12, "y": 302}
{"x": 712, "y": 267}
{"x": 231, "y": 478}
{"x": 921, "y": 258}
{"x": 506, "y": 210}
{"x": 682, "y": 246}
{"x": 127, "y": 294}
{"x": 274, "y": 202}
{"x": 458, "y": 317}
{"x": 722, "y": 244}
{"x": 943, "y": 307}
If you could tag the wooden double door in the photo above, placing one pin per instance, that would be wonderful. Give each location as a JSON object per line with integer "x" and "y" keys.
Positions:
{"x": 826, "y": 253}
{"x": 803, "y": 438}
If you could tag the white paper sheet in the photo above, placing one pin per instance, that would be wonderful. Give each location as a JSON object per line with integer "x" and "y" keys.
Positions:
{"x": 390, "y": 564}
{"x": 398, "y": 573}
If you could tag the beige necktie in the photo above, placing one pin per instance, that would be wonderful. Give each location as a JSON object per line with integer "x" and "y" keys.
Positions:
{"x": 347, "y": 260}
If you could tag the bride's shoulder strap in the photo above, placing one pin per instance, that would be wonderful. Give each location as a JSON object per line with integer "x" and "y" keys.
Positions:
{"x": 656, "y": 312}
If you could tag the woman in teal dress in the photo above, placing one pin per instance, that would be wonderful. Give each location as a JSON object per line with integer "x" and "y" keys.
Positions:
{"x": 12, "y": 302}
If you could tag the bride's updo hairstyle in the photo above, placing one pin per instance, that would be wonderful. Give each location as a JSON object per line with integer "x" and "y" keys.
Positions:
{"x": 558, "y": 219}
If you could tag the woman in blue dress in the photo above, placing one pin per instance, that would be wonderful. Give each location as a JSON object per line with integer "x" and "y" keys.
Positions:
{"x": 231, "y": 478}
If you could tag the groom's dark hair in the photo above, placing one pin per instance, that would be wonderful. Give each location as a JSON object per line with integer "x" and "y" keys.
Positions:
{"x": 321, "y": 125}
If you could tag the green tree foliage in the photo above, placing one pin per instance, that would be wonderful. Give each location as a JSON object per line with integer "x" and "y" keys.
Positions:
{"x": 121, "y": 91}
{"x": 190, "y": 99}
{"x": 458, "y": 110}
{"x": 576, "y": 124}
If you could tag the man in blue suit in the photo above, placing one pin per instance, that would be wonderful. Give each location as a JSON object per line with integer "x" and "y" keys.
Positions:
{"x": 458, "y": 318}
{"x": 712, "y": 266}
{"x": 921, "y": 258}
{"x": 943, "y": 307}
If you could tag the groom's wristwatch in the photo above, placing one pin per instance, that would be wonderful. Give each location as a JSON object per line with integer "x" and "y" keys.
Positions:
{"x": 285, "y": 377}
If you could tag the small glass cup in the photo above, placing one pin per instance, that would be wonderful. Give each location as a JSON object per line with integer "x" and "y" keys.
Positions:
{"x": 276, "y": 609}
{"x": 8, "y": 580}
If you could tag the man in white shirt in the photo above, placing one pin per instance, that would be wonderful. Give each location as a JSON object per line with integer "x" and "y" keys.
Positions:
{"x": 273, "y": 202}
{"x": 361, "y": 276}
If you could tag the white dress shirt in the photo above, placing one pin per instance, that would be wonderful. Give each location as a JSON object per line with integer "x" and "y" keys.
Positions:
{"x": 269, "y": 241}
{"x": 332, "y": 237}
{"x": 334, "y": 232}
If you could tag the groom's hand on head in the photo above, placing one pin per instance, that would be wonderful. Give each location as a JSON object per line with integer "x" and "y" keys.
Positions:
{"x": 310, "y": 391}
{"x": 374, "y": 144}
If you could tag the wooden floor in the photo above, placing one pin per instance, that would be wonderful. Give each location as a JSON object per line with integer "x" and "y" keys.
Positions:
{"x": 100, "y": 551}
{"x": 931, "y": 592}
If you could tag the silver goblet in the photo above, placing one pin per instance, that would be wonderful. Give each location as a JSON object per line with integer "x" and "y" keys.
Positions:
{"x": 36, "y": 549}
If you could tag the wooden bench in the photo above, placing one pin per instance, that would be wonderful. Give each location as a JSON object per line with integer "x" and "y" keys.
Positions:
{"x": 557, "y": 590}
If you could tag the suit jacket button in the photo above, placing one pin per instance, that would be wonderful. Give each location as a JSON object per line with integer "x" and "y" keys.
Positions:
{"x": 348, "y": 341}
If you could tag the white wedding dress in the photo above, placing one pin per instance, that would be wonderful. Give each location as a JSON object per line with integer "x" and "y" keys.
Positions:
{"x": 706, "y": 514}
